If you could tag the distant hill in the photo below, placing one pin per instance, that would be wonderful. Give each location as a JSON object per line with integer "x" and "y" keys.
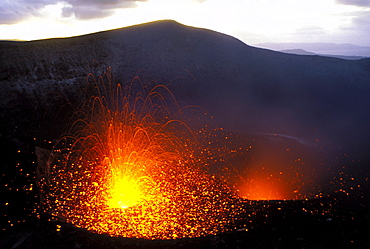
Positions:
{"x": 246, "y": 88}
{"x": 297, "y": 51}
{"x": 304, "y": 52}
{"x": 327, "y": 49}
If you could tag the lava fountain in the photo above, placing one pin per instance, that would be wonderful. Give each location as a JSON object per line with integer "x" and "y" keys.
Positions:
{"x": 130, "y": 166}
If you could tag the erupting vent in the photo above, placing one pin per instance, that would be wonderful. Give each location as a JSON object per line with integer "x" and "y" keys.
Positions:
{"x": 130, "y": 166}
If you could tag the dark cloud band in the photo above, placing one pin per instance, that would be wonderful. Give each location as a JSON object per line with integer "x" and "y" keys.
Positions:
{"x": 14, "y": 11}
{"x": 92, "y": 9}
{"x": 360, "y": 3}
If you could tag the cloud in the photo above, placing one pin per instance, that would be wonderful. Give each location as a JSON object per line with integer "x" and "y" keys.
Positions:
{"x": 358, "y": 30}
{"x": 359, "y": 3}
{"x": 84, "y": 13}
{"x": 92, "y": 9}
{"x": 362, "y": 21}
{"x": 14, "y": 11}
{"x": 309, "y": 31}
{"x": 17, "y": 10}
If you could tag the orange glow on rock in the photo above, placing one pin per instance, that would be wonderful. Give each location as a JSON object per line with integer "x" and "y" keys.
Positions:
{"x": 262, "y": 190}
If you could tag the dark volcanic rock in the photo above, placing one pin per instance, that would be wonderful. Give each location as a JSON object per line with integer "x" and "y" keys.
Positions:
{"x": 246, "y": 88}
{"x": 249, "y": 88}
{"x": 256, "y": 91}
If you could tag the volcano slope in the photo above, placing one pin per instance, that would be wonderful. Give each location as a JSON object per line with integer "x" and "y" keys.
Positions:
{"x": 251, "y": 89}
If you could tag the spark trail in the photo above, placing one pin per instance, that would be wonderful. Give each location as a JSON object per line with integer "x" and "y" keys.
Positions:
{"x": 130, "y": 166}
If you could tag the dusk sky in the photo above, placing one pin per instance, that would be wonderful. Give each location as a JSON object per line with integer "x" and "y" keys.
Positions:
{"x": 335, "y": 21}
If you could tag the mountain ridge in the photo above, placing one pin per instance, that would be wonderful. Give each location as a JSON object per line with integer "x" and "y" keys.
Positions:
{"x": 244, "y": 87}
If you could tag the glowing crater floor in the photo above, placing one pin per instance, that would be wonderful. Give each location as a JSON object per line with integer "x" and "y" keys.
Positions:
{"x": 331, "y": 222}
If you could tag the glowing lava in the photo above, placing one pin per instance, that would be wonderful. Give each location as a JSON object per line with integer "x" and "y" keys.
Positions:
{"x": 131, "y": 167}
{"x": 125, "y": 193}
{"x": 259, "y": 189}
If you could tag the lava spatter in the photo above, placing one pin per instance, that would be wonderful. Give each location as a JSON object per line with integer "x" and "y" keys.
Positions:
{"x": 130, "y": 166}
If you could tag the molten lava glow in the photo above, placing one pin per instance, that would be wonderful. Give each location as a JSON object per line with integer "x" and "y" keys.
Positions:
{"x": 263, "y": 192}
{"x": 130, "y": 167}
{"x": 262, "y": 189}
{"x": 125, "y": 193}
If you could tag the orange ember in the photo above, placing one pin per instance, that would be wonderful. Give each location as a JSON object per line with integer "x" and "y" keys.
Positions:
{"x": 131, "y": 167}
